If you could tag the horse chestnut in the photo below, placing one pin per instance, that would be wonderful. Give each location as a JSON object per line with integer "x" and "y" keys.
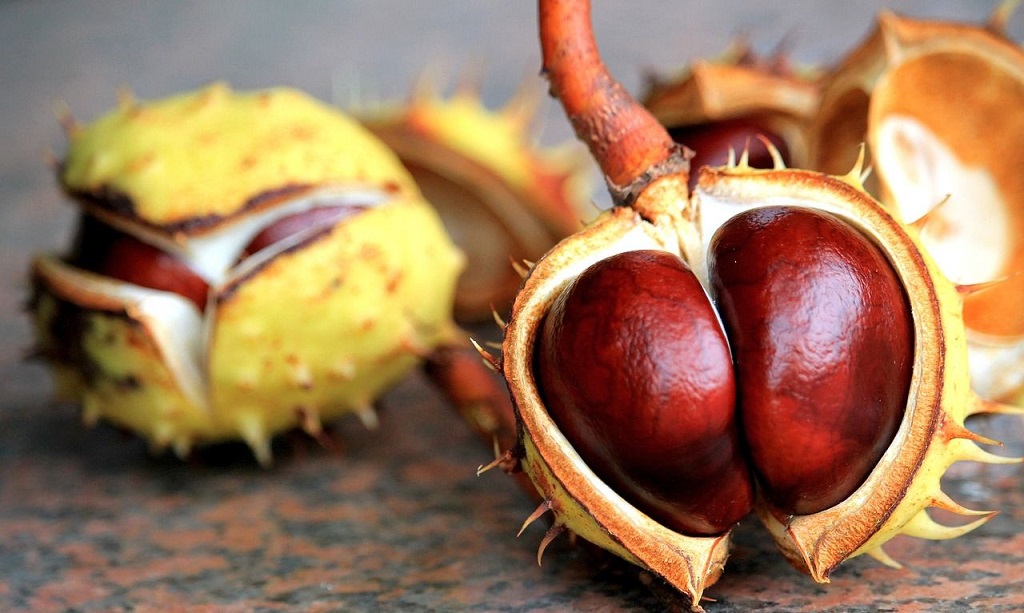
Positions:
{"x": 823, "y": 339}
{"x": 634, "y": 367}
{"x": 322, "y": 217}
{"x": 251, "y": 206}
{"x": 635, "y": 370}
{"x": 106, "y": 251}
{"x": 739, "y": 102}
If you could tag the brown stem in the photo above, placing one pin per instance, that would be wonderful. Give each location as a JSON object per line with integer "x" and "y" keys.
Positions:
{"x": 625, "y": 139}
{"x": 479, "y": 395}
{"x": 483, "y": 402}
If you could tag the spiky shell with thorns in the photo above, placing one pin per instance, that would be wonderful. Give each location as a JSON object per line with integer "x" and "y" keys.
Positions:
{"x": 313, "y": 326}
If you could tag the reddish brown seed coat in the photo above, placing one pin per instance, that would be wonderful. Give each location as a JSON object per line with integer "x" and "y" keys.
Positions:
{"x": 635, "y": 370}
{"x": 712, "y": 143}
{"x": 101, "y": 249}
{"x": 822, "y": 337}
{"x": 322, "y": 216}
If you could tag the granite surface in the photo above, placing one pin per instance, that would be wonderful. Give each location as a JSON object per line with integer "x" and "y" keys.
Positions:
{"x": 393, "y": 519}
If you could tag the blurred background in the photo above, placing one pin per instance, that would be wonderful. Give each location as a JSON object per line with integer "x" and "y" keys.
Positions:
{"x": 79, "y": 54}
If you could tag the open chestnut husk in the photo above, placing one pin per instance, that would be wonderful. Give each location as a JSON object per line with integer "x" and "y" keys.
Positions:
{"x": 939, "y": 105}
{"x": 845, "y": 338}
{"x": 246, "y": 263}
{"x": 740, "y": 101}
{"x": 500, "y": 194}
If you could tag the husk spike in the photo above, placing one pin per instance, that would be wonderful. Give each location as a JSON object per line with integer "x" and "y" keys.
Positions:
{"x": 368, "y": 415}
{"x": 941, "y": 500}
{"x": 163, "y": 435}
{"x": 890, "y": 38}
{"x": 424, "y": 87}
{"x": 878, "y": 553}
{"x": 492, "y": 362}
{"x": 922, "y": 222}
{"x": 500, "y": 459}
{"x": 182, "y": 447}
{"x": 970, "y": 289}
{"x": 744, "y": 161}
{"x": 522, "y": 107}
{"x": 541, "y": 509}
{"x": 469, "y": 82}
{"x": 498, "y": 319}
{"x": 1000, "y": 17}
{"x": 970, "y": 451}
{"x": 520, "y": 269}
{"x": 309, "y": 421}
{"x": 91, "y": 410}
{"x": 253, "y": 431}
{"x": 923, "y": 526}
{"x": 68, "y": 124}
{"x": 954, "y": 430}
{"x": 777, "y": 162}
{"x": 553, "y": 532}
{"x": 982, "y": 405}
{"x": 126, "y": 99}
{"x": 857, "y": 174}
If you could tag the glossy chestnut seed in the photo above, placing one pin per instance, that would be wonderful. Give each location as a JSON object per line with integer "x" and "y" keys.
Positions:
{"x": 635, "y": 370}
{"x": 711, "y": 143}
{"x": 822, "y": 337}
{"x": 104, "y": 250}
{"x": 321, "y": 216}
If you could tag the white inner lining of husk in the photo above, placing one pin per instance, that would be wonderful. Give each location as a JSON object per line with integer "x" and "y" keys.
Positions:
{"x": 968, "y": 236}
{"x": 213, "y": 254}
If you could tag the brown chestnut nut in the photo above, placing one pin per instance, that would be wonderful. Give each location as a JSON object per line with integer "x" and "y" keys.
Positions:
{"x": 714, "y": 142}
{"x": 822, "y": 336}
{"x": 320, "y": 216}
{"x": 635, "y": 370}
{"x": 736, "y": 101}
{"x": 104, "y": 250}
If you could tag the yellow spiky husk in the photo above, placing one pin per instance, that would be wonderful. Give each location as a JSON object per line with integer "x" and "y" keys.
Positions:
{"x": 206, "y": 154}
{"x": 317, "y": 330}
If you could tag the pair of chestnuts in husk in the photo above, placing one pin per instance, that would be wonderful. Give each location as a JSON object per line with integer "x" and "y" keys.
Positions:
{"x": 771, "y": 340}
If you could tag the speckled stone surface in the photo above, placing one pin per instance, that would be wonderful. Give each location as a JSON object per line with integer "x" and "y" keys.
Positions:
{"x": 394, "y": 519}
